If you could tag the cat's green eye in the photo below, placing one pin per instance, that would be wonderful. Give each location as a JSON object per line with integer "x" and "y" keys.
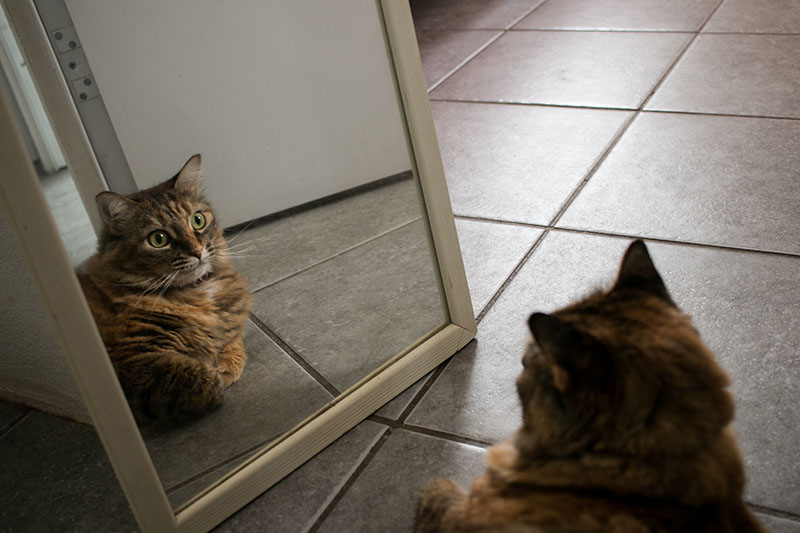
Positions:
{"x": 158, "y": 239}
{"x": 198, "y": 220}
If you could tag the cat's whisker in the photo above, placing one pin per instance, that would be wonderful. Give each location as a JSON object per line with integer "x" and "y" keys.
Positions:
{"x": 241, "y": 231}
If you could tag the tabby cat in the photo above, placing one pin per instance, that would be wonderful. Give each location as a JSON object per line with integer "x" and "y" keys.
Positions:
{"x": 168, "y": 303}
{"x": 625, "y": 426}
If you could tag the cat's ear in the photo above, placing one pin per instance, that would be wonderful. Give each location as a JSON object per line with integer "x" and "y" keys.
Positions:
{"x": 114, "y": 209}
{"x": 568, "y": 350}
{"x": 188, "y": 179}
{"x": 638, "y": 271}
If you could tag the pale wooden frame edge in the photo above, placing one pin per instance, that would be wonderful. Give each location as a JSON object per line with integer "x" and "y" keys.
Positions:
{"x": 94, "y": 375}
{"x": 54, "y": 92}
{"x": 52, "y": 274}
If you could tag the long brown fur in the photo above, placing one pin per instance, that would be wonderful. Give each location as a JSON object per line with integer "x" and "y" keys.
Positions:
{"x": 625, "y": 427}
{"x": 171, "y": 317}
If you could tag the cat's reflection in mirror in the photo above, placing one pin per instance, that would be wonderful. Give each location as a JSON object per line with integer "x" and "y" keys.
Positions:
{"x": 169, "y": 305}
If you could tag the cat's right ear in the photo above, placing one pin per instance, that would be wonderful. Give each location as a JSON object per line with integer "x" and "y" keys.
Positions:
{"x": 568, "y": 350}
{"x": 114, "y": 209}
{"x": 638, "y": 271}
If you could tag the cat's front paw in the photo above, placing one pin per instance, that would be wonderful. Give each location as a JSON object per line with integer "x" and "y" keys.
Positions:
{"x": 436, "y": 499}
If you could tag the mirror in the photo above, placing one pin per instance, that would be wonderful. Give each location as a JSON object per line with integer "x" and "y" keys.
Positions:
{"x": 332, "y": 199}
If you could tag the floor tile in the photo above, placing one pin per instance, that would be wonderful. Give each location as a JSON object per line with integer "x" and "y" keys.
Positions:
{"x": 268, "y": 252}
{"x": 469, "y": 14}
{"x": 491, "y": 252}
{"x": 518, "y": 163}
{"x": 718, "y": 180}
{"x": 595, "y": 69}
{"x": 335, "y": 315}
{"x": 735, "y": 74}
{"x": 382, "y": 499}
{"x": 756, "y": 16}
{"x": 10, "y": 414}
{"x": 442, "y": 51}
{"x": 779, "y": 525}
{"x": 295, "y": 503}
{"x": 648, "y": 15}
{"x": 56, "y": 477}
{"x": 272, "y": 396}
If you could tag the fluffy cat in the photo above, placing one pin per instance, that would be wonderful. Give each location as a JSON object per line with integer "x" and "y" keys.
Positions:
{"x": 625, "y": 426}
{"x": 168, "y": 303}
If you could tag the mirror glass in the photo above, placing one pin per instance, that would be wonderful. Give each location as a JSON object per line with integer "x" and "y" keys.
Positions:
{"x": 296, "y": 113}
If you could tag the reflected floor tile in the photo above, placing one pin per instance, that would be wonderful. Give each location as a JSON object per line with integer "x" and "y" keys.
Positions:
{"x": 295, "y": 502}
{"x": 271, "y": 251}
{"x": 735, "y": 74}
{"x": 469, "y": 14}
{"x": 56, "y": 477}
{"x": 273, "y": 395}
{"x": 491, "y": 252}
{"x": 351, "y": 314}
{"x": 443, "y": 50}
{"x": 743, "y": 303}
{"x": 9, "y": 414}
{"x": 518, "y": 163}
{"x": 716, "y": 180}
{"x": 384, "y": 498}
{"x": 659, "y": 15}
{"x": 596, "y": 69}
{"x": 756, "y": 16}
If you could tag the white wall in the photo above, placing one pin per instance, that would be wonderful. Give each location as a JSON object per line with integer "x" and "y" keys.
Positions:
{"x": 32, "y": 368}
{"x": 288, "y": 101}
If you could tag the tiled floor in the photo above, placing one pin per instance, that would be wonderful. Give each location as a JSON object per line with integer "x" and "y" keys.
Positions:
{"x": 566, "y": 127}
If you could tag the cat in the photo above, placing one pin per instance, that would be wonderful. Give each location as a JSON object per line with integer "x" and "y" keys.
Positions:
{"x": 625, "y": 426}
{"x": 167, "y": 301}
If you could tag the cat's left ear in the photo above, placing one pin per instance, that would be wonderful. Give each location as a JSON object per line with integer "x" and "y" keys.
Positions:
{"x": 638, "y": 271}
{"x": 188, "y": 179}
{"x": 573, "y": 355}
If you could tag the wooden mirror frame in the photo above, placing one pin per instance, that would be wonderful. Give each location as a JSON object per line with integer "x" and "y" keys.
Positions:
{"x": 57, "y": 284}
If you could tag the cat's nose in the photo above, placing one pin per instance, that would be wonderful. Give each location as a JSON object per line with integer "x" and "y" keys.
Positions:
{"x": 198, "y": 253}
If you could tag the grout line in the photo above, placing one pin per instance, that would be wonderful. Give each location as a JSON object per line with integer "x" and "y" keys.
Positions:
{"x": 525, "y": 15}
{"x": 350, "y": 481}
{"x": 500, "y": 33}
{"x": 530, "y": 104}
{"x": 248, "y": 451}
{"x": 468, "y": 59}
{"x": 447, "y": 436}
{"x": 599, "y": 30}
{"x": 600, "y": 233}
{"x": 778, "y": 513}
{"x": 296, "y": 357}
{"x": 680, "y": 56}
{"x": 14, "y": 423}
{"x": 600, "y": 160}
{"x": 499, "y": 292}
{"x": 425, "y": 388}
{"x": 339, "y": 254}
{"x": 601, "y": 108}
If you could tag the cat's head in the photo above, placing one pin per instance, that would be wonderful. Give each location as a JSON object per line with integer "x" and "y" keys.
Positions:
{"x": 621, "y": 371}
{"x": 167, "y": 234}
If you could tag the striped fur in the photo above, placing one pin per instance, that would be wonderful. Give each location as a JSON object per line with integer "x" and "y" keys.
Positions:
{"x": 171, "y": 316}
{"x": 625, "y": 427}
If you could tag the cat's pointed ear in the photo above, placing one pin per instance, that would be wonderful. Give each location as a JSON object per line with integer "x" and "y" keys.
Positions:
{"x": 114, "y": 209}
{"x": 568, "y": 350}
{"x": 188, "y": 179}
{"x": 638, "y": 271}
